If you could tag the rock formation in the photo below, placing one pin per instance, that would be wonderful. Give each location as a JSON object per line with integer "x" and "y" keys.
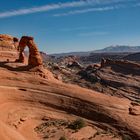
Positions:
{"x": 74, "y": 64}
{"x": 121, "y": 78}
{"x": 134, "y": 109}
{"x": 34, "y": 55}
{"x": 8, "y": 43}
{"x": 8, "y": 48}
{"x": 103, "y": 61}
{"x": 121, "y": 63}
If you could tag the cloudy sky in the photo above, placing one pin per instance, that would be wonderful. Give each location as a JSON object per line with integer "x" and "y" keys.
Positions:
{"x": 72, "y": 25}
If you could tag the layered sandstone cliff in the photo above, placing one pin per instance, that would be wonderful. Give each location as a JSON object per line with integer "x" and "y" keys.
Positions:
{"x": 128, "y": 65}
{"x": 8, "y": 43}
{"x": 8, "y": 47}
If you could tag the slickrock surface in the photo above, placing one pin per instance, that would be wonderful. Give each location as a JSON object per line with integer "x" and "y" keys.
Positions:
{"x": 113, "y": 77}
{"x": 26, "y": 98}
{"x": 122, "y": 76}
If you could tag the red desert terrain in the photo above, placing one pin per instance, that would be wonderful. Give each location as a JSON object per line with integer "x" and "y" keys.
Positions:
{"x": 36, "y": 106}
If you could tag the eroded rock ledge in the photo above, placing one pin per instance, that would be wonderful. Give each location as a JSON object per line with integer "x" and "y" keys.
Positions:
{"x": 8, "y": 43}
{"x": 122, "y": 63}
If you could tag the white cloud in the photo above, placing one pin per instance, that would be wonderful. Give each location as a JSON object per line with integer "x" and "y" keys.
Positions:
{"x": 87, "y": 10}
{"x": 49, "y": 7}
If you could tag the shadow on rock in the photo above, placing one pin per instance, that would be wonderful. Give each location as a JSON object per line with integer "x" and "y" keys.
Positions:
{"x": 19, "y": 68}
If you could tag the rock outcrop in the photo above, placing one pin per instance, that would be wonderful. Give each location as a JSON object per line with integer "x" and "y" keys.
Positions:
{"x": 8, "y": 48}
{"x": 121, "y": 78}
{"x": 74, "y": 64}
{"x": 34, "y": 54}
{"x": 121, "y": 63}
{"x": 8, "y": 43}
{"x": 134, "y": 109}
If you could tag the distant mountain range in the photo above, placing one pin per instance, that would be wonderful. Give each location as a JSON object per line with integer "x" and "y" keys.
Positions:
{"x": 110, "y": 49}
{"x": 119, "y": 49}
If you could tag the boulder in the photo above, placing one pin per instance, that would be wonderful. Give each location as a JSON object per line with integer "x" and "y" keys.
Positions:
{"x": 134, "y": 110}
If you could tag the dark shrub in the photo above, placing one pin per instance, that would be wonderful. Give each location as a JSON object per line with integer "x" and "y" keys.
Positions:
{"x": 77, "y": 124}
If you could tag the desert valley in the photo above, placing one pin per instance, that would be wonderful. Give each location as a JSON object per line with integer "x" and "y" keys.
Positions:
{"x": 72, "y": 97}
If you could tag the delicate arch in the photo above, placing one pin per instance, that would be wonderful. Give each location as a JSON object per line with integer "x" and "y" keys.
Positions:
{"x": 34, "y": 54}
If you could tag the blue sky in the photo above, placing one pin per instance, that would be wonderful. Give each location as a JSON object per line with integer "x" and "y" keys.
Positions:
{"x": 72, "y": 25}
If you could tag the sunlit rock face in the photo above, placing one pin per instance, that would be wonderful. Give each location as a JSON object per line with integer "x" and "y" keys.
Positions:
{"x": 34, "y": 54}
{"x": 8, "y": 43}
{"x": 8, "y": 47}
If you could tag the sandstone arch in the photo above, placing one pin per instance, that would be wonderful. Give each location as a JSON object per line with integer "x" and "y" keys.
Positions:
{"x": 34, "y": 54}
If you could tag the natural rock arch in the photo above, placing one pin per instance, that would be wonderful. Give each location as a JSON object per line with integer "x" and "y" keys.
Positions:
{"x": 34, "y": 54}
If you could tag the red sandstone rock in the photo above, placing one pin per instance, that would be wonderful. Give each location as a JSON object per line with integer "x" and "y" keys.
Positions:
{"x": 121, "y": 63}
{"x": 135, "y": 110}
{"x": 34, "y": 55}
{"x": 8, "y": 43}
